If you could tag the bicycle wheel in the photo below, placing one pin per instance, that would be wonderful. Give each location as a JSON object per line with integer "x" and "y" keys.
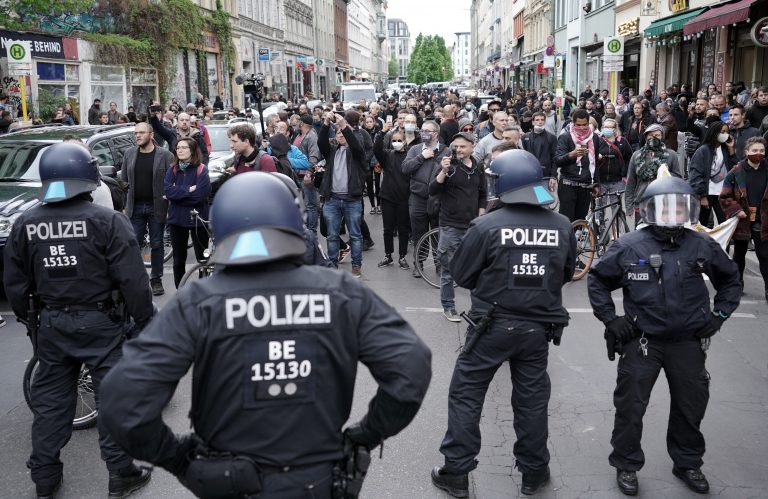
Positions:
{"x": 585, "y": 248}
{"x": 146, "y": 250}
{"x": 426, "y": 258}
{"x": 196, "y": 272}
{"x": 619, "y": 227}
{"x": 85, "y": 411}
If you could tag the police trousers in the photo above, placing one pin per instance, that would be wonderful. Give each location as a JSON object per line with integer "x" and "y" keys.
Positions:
{"x": 65, "y": 341}
{"x": 688, "y": 379}
{"x": 525, "y": 347}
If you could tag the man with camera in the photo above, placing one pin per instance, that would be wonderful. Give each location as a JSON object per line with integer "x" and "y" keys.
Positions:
{"x": 460, "y": 185}
{"x": 183, "y": 130}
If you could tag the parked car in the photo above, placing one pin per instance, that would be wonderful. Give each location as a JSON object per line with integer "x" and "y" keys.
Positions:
{"x": 221, "y": 156}
{"x": 20, "y": 152}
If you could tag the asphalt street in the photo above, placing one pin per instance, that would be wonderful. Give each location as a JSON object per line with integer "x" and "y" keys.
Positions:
{"x": 580, "y": 410}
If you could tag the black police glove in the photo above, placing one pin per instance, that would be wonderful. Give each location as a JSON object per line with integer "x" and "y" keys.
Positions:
{"x": 612, "y": 345}
{"x": 555, "y": 334}
{"x": 714, "y": 325}
{"x": 178, "y": 464}
{"x": 621, "y": 329}
{"x": 357, "y": 434}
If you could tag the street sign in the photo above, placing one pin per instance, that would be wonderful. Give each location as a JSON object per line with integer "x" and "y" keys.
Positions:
{"x": 613, "y": 45}
{"x": 613, "y": 63}
{"x": 19, "y": 57}
{"x": 549, "y": 51}
{"x": 559, "y": 68}
{"x": 549, "y": 61}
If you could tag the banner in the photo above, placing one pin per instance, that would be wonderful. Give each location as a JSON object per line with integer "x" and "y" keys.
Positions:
{"x": 50, "y": 47}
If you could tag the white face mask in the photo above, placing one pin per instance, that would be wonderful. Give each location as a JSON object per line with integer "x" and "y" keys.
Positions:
{"x": 397, "y": 146}
{"x": 538, "y": 129}
{"x": 723, "y": 138}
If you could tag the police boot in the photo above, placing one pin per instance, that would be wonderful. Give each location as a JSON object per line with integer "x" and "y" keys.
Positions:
{"x": 627, "y": 481}
{"x": 124, "y": 482}
{"x": 48, "y": 491}
{"x": 455, "y": 485}
{"x": 533, "y": 480}
{"x": 693, "y": 478}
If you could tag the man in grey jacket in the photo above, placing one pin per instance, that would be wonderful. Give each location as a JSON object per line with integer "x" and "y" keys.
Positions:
{"x": 308, "y": 145}
{"x": 144, "y": 168}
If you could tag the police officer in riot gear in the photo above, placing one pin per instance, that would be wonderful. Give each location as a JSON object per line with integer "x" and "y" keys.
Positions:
{"x": 71, "y": 255}
{"x": 666, "y": 324}
{"x": 275, "y": 345}
{"x": 515, "y": 259}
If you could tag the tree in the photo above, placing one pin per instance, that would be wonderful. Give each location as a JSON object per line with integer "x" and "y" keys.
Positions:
{"x": 430, "y": 60}
{"x": 394, "y": 68}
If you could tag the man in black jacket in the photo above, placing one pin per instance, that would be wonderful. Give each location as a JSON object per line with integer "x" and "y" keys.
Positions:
{"x": 342, "y": 188}
{"x": 460, "y": 184}
{"x": 183, "y": 130}
{"x": 542, "y": 144}
{"x": 422, "y": 163}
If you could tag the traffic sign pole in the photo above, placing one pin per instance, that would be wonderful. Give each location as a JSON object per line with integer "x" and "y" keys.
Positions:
{"x": 23, "y": 87}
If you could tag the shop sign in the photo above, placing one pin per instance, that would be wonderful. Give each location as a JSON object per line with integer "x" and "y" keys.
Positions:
{"x": 541, "y": 70}
{"x": 263, "y": 55}
{"x": 629, "y": 28}
{"x": 678, "y": 5}
{"x": 759, "y": 32}
{"x": 50, "y": 47}
{"x": 276, "y": 56}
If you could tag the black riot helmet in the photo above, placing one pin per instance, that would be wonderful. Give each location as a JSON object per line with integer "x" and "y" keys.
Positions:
{"x": 256, "y": 219}
{"x": 514, "y": 177}
{"x": 669, "y": 202}
{"x": 66, "y": 170}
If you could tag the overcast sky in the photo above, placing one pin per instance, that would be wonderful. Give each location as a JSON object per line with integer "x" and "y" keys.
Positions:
{"x": 432, "y": 17}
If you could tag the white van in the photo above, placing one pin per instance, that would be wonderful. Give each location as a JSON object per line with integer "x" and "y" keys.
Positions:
{"x": 351, "y": 93}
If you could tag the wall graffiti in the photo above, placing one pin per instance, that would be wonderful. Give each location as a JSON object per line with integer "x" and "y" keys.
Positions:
{"x": 66, "y": 24}
{"x": 12, "y": 88}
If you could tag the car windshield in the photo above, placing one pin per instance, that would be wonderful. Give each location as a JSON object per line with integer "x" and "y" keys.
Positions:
{"x": 353, "y": 95}
{"x": 219, "y": 139}
{"x": 20, "y": 160}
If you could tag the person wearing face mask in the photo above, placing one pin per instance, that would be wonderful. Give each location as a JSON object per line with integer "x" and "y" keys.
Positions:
{"x": 469, "y": 112}
{"x": 667, "y": 324}
{"x": 708, "y": 167}
{"x": 613, "y": 158}
{"x": 644, "y": 166}
{"x": 745, "y": 195}
{"x": 422, "y": 164}
{"x": 576, "y": 156}
{"x": 395, "y": 191}
{"x": 542, "y": 144}
{"x": 741, "y": 130}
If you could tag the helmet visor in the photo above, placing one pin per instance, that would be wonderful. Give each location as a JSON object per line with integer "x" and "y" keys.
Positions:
{"x": 491, "y": 181}
{"x": 670, "y": 210}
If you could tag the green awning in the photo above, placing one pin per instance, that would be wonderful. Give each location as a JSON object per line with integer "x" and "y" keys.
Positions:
{"x": 671, "y": 24}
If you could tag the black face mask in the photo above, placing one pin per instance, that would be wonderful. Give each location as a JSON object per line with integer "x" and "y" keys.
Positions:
{"x": 670, "y": 234}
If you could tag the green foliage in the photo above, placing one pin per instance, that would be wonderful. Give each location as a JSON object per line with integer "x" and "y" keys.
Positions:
{"x": 110, "y": 48}
{"x": 13, "y": 10}
{"x": 394, "y": 67}
{"x": 430, "y": 60}
{"x": 47, "y": 104}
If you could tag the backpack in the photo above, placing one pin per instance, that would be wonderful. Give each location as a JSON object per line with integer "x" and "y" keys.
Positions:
{"x": 692, "y": 143}
{"x": 282, "y": 167}
{"x": 118, "y": 189}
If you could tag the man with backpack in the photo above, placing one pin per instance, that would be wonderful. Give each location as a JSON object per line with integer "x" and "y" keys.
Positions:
{"x": 144, "y": 167}
{"x": 245, "y": 143}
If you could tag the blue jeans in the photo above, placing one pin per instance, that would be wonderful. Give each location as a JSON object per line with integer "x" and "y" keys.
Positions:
{"x": 450, "y": 237}
{"x": 334, "y": 210}
{"x": 311, "y": 201}
{"x": 144, "y": 216}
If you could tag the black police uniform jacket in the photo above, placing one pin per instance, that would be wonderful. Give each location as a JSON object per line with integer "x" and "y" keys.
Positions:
{"x": 673, "y": 301}
{"x": 518, "y": 256}
{"x": 75, "y": 253}
{"x": 275, "y": 351}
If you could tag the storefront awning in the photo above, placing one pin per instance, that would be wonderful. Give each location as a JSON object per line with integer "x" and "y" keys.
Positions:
{"x": 671, "y": 24}
{"x": 722, "y": 15}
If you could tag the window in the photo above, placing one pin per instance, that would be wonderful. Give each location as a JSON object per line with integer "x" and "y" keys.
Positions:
{"x": 108, "y": 84}
{"x": 143, "y": 89}
{"x": 59, "y": 81}
{"x": 103, "y": 153}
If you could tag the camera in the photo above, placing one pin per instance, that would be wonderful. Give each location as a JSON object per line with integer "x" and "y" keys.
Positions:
{"x": 253, "y": 84}
{"x": 454, "y": 162}
{"x": 155, "y": 108}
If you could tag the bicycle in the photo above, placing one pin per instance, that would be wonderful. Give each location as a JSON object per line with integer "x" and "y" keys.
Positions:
{"x": 146, "y": 249}
{"x": 592, "y": 234}
{"x": 203, "y": 268}
{"x": 85, "y": 411}
{"x": 429, "y": 266}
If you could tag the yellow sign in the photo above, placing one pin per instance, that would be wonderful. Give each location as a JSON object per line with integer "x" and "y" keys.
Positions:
{"x": 678, "y": 5}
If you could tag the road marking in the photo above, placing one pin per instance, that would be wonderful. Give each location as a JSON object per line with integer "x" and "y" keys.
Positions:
{"x": 738, "y": 315}
{"x": 424, "y": 309}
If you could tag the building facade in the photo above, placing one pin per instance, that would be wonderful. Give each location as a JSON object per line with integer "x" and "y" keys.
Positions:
{"x": 341, "y": 40}
{"x": 399, "y": 39}
{"x": 460, "y": 57}
{"x": 262, "y": 41}
{"x": 325, "y": 67}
